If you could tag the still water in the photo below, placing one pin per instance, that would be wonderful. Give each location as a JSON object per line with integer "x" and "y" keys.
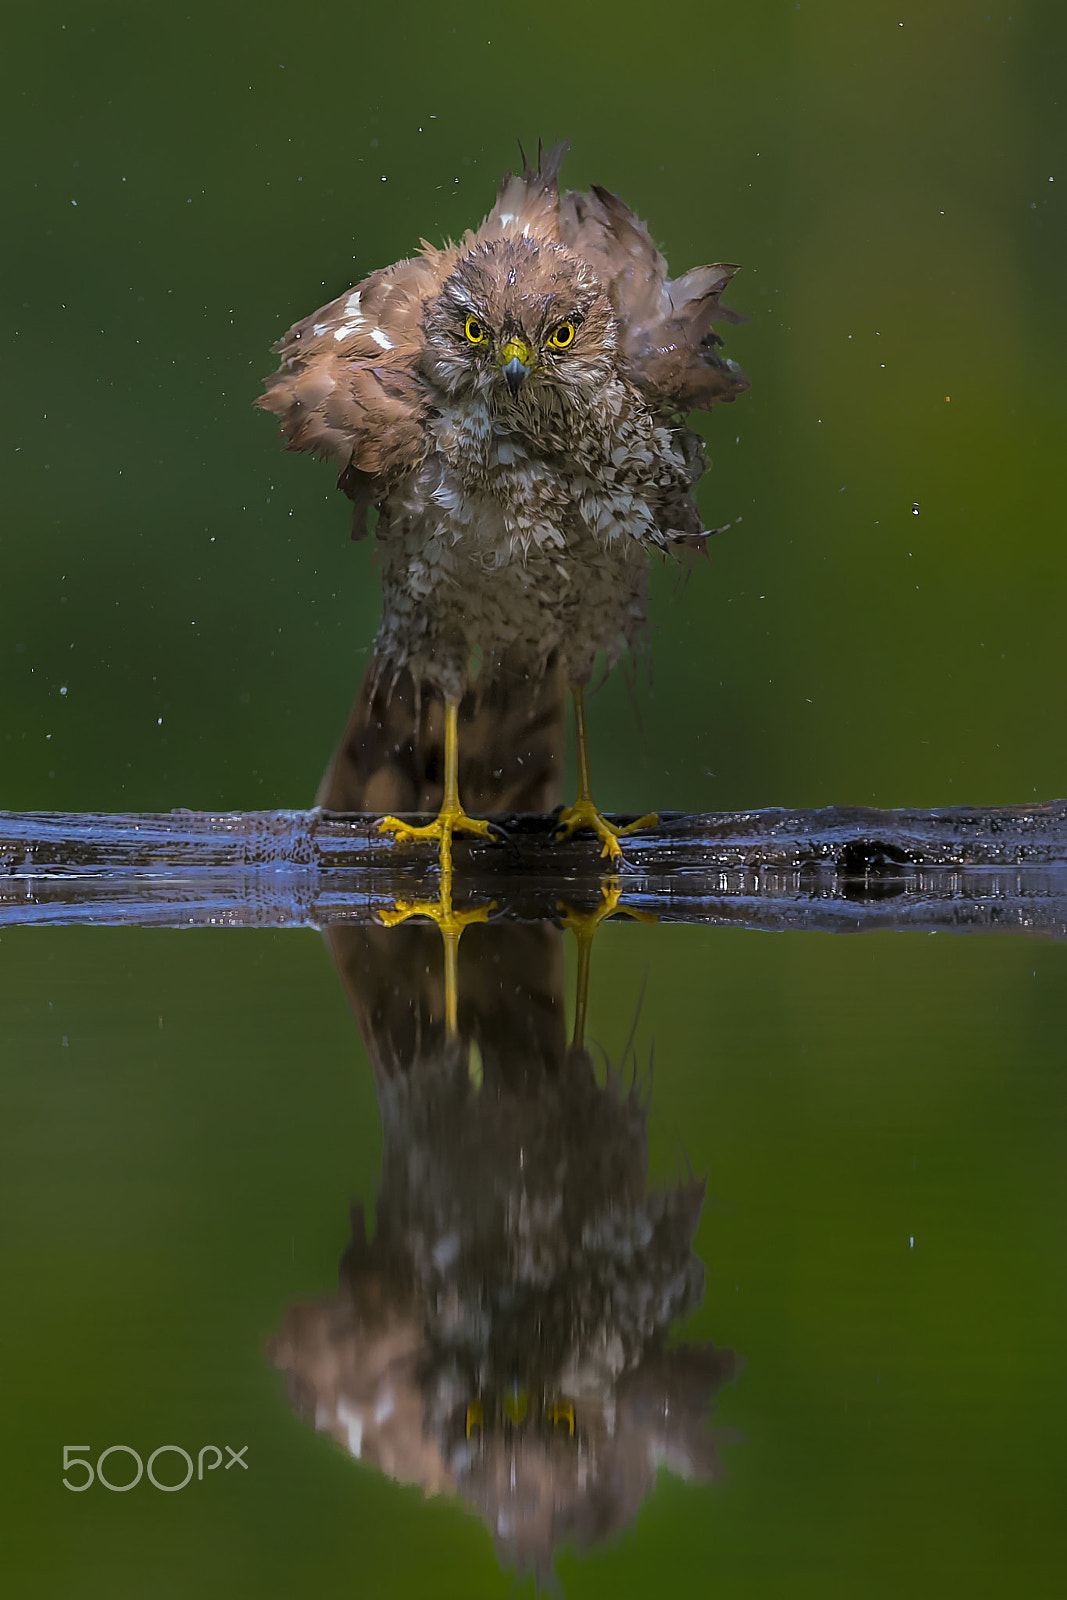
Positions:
{"x": 760, "y": 1284}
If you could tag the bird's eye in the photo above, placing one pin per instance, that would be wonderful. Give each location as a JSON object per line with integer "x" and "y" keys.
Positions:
{"x": 561, "y": 336}
{"x": 474, "y": 331}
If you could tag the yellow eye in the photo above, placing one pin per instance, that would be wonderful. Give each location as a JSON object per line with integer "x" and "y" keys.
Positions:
{"x": 561, "y": 337}
{"x": 474, "y": 331}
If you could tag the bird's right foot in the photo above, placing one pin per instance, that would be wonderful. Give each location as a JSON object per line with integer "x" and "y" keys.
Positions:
{"x": 449, "y": 820}
{"x": 450, "y": 924}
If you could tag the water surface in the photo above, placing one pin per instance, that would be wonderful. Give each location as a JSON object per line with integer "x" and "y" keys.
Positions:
{"x": 851, "y": 1149}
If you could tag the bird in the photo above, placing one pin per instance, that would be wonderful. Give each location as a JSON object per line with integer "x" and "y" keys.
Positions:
{"x": 510, "y": 410}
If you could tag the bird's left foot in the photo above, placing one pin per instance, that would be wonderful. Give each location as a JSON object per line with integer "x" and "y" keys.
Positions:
{"x": 584, "y": 814}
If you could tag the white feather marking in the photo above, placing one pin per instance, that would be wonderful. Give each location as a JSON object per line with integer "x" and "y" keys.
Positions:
{"x": 506, "y": 217}
{"x": 356, "y": 319}
{"x": 351, "y": 1418}
{"x": 381, "y": 338}
{"x": 319, "y": 327}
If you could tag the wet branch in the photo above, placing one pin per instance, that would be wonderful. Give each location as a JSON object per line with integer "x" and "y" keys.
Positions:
{"x": 839, "y": 867}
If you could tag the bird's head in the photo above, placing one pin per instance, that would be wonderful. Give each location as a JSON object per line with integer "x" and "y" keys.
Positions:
{"x": 524, "y": 323}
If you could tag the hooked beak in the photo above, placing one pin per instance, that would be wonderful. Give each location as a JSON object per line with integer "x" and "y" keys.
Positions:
{"x": 515, "y": 363}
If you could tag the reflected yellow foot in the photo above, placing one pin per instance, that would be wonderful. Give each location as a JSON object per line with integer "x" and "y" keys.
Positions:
{"x": 441, "y": 911}
{"x": 451, "y": 924}
{"x": 583, "y": 924}
{"x": 561, "y": 1411}
{"x": 584, "y": 814}
{"x": 449, "y": 820}
{"x": 474, "y": 1416}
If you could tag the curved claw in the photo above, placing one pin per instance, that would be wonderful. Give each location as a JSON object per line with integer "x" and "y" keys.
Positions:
{"x": 561, "y": 1411}
{"x": 449, "y": 820}
{"x": 584, "y": 814}
{"x": 583, "y": 924}
{"x": 450, "y": 922}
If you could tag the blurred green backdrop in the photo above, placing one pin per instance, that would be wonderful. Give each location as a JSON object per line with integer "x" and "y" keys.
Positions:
{"x": 187, "y": 618}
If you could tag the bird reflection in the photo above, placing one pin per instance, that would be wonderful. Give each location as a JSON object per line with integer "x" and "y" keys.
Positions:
{"x": 501, "y": 1334}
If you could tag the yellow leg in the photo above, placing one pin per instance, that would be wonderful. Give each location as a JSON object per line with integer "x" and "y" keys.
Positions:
{"x": 451, "y": 924}
{"x": 474, "y": 1416}
{"x": 583, "y": 813}
{"x": 515, "y": 1404}
{"x": 584, "y": 924}
{"x": 451, "y": 818}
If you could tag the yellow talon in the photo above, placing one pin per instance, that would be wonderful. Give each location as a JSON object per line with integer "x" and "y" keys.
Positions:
{"x": 562, "y": 1411}
{"x": 583, "y": 813}
{"x": 451, "y": 818}
{"x": 583, "y": 925}
{"x": 474, "y": 1416}
{"x": 451, "y": 924}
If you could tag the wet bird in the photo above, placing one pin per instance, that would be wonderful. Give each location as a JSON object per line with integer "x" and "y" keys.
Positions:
{"x": 512, "y": 407}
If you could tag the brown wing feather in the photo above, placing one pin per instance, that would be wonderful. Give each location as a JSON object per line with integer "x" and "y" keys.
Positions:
{"x": 346, "y": 387}
{"x": 664, "y": 324}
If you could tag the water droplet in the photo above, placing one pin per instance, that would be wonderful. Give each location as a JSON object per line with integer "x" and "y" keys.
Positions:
{"x": 915, "y": 508}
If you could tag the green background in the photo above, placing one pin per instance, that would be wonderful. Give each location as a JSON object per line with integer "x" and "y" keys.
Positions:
{"x": 180, "y": 184}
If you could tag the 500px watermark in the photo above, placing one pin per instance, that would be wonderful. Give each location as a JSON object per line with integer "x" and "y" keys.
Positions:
{"x": 75, "y": 1456}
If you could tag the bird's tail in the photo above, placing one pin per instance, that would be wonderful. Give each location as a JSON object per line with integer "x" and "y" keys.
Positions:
{"x": 390, "y": 757}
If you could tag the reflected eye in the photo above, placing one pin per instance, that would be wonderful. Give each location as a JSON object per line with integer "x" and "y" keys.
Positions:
{"x": 474, "y": 331}
{"x": 561, "y": 336}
